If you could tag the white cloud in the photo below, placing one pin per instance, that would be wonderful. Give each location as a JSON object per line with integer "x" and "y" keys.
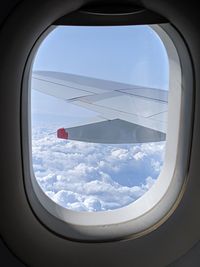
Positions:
{"x": 139, "y": 155}
{"x": 119, "y": 154}
{"x": 93, "y": 177}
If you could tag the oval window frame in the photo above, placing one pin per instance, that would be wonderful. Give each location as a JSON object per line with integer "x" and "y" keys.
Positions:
{"x": 119, "y": 224}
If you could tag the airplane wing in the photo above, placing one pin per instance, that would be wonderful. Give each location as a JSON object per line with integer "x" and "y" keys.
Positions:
{"x": 126, "y": 113}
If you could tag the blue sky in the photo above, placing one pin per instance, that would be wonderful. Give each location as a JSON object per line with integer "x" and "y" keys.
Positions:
{"x": 129, "y": 54}
{"x": 93, "y": 177}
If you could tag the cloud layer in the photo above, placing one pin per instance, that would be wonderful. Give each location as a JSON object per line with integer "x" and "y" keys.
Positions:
{"x": 93, "y": 177}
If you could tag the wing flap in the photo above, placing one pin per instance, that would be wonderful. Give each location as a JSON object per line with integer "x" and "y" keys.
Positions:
{"x": 111, "y": 132}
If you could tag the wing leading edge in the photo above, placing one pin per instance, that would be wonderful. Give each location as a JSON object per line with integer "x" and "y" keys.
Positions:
{"x": 126, "y": 113}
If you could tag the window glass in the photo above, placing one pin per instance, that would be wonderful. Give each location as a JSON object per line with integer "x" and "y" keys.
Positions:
{"x": 99, "y": 103}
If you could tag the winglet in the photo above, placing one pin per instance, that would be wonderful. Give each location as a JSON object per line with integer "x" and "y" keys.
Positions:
{"x": 61, "y": 133}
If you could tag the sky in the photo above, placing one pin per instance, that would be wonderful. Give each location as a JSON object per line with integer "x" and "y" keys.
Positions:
{"x": 90, "y": 176}
{"x": 129, "y": 54}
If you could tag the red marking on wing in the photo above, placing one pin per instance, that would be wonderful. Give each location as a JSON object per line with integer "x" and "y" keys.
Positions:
{"x": 61, "y": 133}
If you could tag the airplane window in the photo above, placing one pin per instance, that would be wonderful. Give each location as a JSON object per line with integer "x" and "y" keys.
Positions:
{"x": 99, "y": 108}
